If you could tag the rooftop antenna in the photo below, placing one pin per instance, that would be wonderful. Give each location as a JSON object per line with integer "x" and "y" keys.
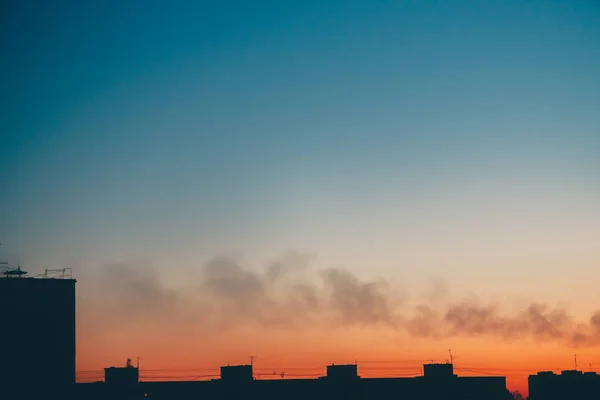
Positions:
{"x": 451, "y": 356}
{"x": 252, "y": 365}
{"x": 575, "y": 357}
{"x": 590, "y": 367}
{"x": 62, "y": 273}
{"x": 15, "y": 272}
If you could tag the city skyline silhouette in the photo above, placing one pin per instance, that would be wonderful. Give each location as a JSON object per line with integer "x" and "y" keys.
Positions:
{"x": 267, "y": 366}
{"x": 308, "y": 182}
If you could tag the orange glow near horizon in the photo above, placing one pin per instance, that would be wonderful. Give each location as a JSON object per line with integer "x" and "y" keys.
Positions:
{"x": 378, "y": 352}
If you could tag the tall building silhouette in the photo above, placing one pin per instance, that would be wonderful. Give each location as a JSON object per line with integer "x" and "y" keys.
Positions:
{"x": 38, "y": 331}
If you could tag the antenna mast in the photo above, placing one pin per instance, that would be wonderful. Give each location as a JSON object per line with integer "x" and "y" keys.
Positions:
{"x": 575, "y": 357}
{"x": 252, "y": 365}
{"x": 451, "y": 356}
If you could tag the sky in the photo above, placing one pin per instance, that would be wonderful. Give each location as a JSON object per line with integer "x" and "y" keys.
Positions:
{"x": 444, "y": 150}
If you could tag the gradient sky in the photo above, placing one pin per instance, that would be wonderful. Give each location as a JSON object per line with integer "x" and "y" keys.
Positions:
{"x": 404, "y": 140}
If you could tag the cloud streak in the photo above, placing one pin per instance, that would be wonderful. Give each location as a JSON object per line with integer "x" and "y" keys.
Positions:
{"x": 286, "y": 296}
{"x": 535, "y": 321}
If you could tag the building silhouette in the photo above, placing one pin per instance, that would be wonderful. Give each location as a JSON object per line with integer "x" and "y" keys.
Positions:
{"x": 120, "y": 383}
{"x": 38, "y": 332}
{"x": 38, "y": 361}
{"x": 122, "y": 376}
{"x": 340, "y": 382}
{"x": 348, "y": 372}
{"x": 237, "y": 374}
{"x": 570, "y": 384}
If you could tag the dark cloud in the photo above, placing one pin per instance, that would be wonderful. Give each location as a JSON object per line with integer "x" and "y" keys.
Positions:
{"x": 241, "y": 290}
{"x": 283, "y": 296}
{"x": 587, "y": 336}
{"x": 536, "y": 321}
{"x": 425, "y": 322}
{"x": 595, "y": 321}
{"x": 138, "y": 290}
{"x": 127, "y": 292}
{"x": 291, "y": 263}
{"x": 124, "y": 297}
{"x": 229, "y": 295}
{"x": 241, "y": 295}
{"x": 358, "y": 302}
{"x": 545, "y": 323}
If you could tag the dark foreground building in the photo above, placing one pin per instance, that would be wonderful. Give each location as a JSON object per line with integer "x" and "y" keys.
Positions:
{"x": 568, "y": 385}
{"x": 37, "y": 335}
{"x": 342, "y": 382}
{"x": 126, "y": 376}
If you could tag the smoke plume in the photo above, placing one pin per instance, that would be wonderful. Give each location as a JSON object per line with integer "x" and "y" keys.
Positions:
{"x": 358, "y": 302}
{"x": 536, "y": 321}
{"x": 289, "y": 294}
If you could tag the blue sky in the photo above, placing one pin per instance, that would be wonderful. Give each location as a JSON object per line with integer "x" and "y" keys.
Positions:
{"x": 388, "y": 137}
